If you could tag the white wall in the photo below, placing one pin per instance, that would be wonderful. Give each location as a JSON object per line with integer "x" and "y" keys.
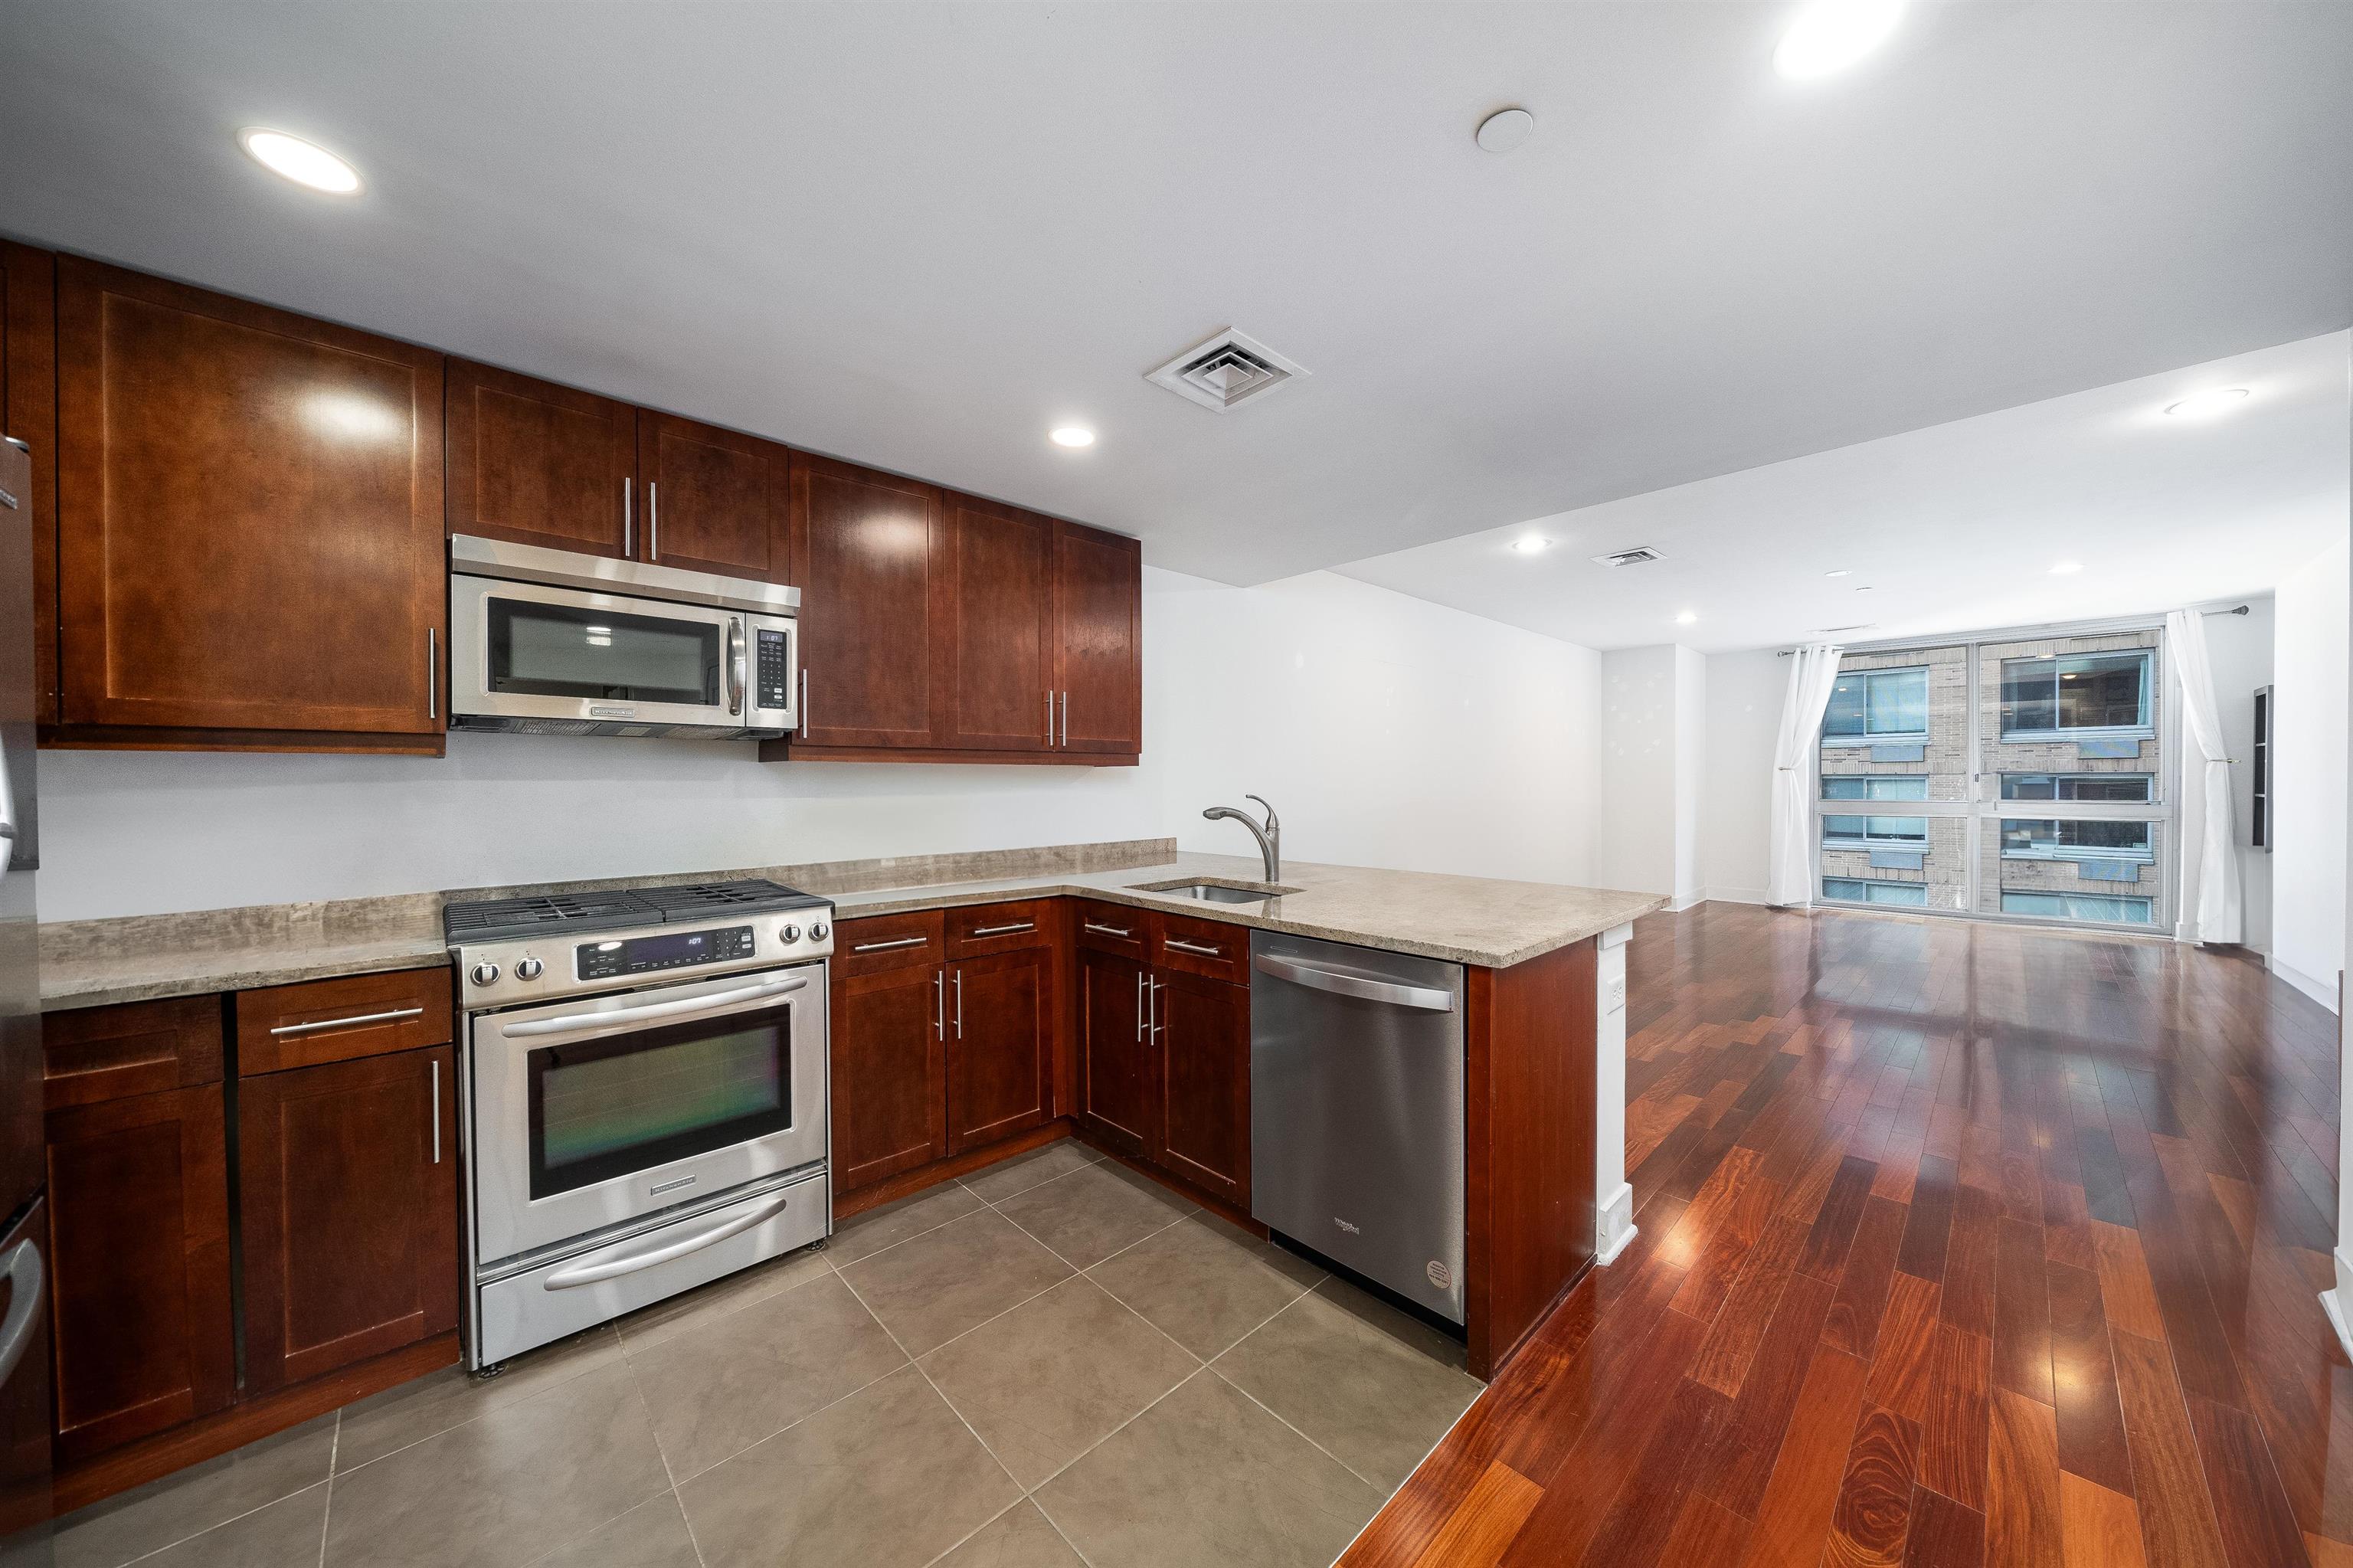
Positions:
{"x": 1744, "y": 719}
{"x": 1691, "y": 773}
{"x": 2309, "y": 881}
{"x": 1389, "y": 731}
{"x": 2238, "y": 651}
{"x": 1654, "y": 771}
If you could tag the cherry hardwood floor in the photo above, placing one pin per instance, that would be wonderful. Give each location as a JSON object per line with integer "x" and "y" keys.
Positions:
{"x": 1958, "y": 1244}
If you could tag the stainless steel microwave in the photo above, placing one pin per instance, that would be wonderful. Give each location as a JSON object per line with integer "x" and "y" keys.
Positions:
{"x": 558, "y": 643}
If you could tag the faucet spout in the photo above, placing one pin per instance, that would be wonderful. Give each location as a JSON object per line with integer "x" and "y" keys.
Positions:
{"x": 1268, "y": 835}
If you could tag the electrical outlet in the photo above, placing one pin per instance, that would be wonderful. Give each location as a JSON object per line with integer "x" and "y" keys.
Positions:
{"x": 1613, "y": 995}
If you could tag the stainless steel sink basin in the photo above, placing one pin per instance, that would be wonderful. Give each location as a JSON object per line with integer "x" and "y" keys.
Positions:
{"x": 1215, "y": 892}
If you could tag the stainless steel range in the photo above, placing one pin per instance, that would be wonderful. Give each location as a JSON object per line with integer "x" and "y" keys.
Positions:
{"x": 644, "y": 1098}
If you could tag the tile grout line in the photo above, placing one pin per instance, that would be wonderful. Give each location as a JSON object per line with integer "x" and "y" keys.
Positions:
{"x": 245, "y": 1513}
{"x": 1212, "y": 1366}
{"x": 454, "y": 1425}
{"x": 327, "y": 1514}
{"x": 724, "y": 1314}
{"x": 671, "y": 1490}
{"x": 669, "y": 1473}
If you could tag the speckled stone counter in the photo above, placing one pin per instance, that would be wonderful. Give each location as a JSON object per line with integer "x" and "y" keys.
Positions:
{"x": 1467, "y": 919}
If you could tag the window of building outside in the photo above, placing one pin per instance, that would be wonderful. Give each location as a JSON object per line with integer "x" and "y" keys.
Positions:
{"x": 1907, "y": 831}
{"x": 1877, "y": 704}
{"x": 2077, "y": 787}
{"x": 1911, "y": 894}
{"x": 2075, "y": 692}
{"x": 2076, "y": 840}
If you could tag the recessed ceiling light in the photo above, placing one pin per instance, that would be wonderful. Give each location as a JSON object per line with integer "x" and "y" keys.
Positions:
{"x": 1686, "y": 618}
{"x": 1531, "y": 544}
{"x": 1073, "y": 436}
{"x": 2206, "y": 404}
{"x": 2067, "y": 568}
{"x": 1505, "y": 129}
{"x": 1842, "y": 572}
{"x": 1828, "y": 35}
{"x": 304, "y": 163}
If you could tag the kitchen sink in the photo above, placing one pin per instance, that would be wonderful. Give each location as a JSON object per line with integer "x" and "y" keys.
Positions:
{"x": 1215, "y": 892}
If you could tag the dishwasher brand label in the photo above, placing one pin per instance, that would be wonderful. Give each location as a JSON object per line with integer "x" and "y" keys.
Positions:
{"x": 1346, "y": 1226}
{"x": 1440, "y": 1274}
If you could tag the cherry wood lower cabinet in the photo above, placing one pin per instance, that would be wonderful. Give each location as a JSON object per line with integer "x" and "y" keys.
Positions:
{"x": 1117, "y": 1087}
{"x": 890, "y": 1054}
{"x": 139, "y": 1295}
{"x": 1202, "y": 1053}
{"x": 1000, "y": 1047}
{"x": 348, "y": 1194}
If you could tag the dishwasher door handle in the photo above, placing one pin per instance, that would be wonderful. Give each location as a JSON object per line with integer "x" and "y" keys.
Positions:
{"x": 1428, "y": 999}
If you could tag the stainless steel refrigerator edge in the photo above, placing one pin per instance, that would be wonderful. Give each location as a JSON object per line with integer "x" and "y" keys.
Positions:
{"x": 1356, "y": 1133}
{"x": 23, "y": 1220}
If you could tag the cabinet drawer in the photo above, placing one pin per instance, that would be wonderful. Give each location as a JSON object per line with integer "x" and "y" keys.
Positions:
{"x": 887, "y": 942}
{"x": 1211, "y": 949}
{"x": 1000, "y": 929}
{"x": 304, "y": 1024}
{"x": 97, "y": 1053}
{"x": 1113, "y": 927}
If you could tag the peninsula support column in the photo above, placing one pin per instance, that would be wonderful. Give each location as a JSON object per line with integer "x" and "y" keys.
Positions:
{"x": 2338, "y": 1303}
{"x": 1613, "y": 1198}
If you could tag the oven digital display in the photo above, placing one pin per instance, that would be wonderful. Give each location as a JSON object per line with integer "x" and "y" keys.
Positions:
{"x": 670, "y": 951}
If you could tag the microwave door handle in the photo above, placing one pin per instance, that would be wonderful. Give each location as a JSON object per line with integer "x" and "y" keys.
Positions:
{"x": 736, "y": 672}
{"x": 686, "y": 1007}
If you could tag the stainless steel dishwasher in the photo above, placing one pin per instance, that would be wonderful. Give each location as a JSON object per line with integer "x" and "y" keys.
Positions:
{"x": 1356, "y": 1110}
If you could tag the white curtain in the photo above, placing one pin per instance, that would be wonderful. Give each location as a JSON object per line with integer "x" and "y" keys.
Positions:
{"x": 2221, "y": 903}
{"x": 1789, "y": 876}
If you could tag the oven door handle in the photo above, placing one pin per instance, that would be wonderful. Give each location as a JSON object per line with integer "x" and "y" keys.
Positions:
{"x": 685, "y": 1006}
{"x": 614, "y": 1267}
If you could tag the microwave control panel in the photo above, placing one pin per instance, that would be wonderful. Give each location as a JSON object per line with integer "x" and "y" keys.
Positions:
{"x": 775, "y": 671}
{"x": 670, "y": 951}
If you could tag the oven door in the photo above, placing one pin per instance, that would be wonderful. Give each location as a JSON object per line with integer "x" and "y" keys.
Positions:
{"x": 592, "y": 1112}
{"x": 529, "y": 651}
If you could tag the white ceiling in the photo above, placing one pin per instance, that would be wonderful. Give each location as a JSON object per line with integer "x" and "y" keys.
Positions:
{"x": 920, "y": 235}
{"x": 1952, "y": 528}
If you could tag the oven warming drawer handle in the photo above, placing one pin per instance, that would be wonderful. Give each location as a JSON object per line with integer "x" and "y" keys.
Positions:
{"x": 614, "y": 1267}
{"x": 683, "y": 1008}
{"x": 1427, "y": 998}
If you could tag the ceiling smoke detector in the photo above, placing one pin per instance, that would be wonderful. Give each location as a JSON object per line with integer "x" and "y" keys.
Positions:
{"x": 1230, "y": 369}
{"x": 1640, "y": 555}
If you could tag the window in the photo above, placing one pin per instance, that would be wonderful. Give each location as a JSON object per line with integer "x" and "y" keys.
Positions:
{"x": 1910, "y": 832}
{"x": 2075, "y": 786}
{"x": 1875, "y": 705}
{"x": 2048, "y": 839}
{"x": 1875, "y": 890}
{"x": 2078, "y": 906}
{"x": 2075, "y": 692}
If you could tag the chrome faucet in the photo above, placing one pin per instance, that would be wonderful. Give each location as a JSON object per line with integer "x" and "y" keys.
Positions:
{"x": 1269, "y": 837}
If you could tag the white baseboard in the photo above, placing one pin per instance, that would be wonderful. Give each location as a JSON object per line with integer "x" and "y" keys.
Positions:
{"x": 1734, "y": 895}
{"x": 1678, "y": 903}
{"x": 1616, "y": 1217}
{"x": 2321, "y": 992}
{"x": 2337, "y": 1320}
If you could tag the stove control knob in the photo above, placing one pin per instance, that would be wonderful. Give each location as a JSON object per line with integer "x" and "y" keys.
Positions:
{"x": 820, "y": 931}
{"x": 485, "y": 973}
{"x": 788, "y": 933}
{"x": 529, "y": 969}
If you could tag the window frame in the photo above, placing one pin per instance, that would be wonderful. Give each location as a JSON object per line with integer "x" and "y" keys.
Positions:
{"x": 2074, "y": 853}
{"x": 1869, "y": 840}
{"x": 1885, "y": 737}
{"x": 2060, "y": 776}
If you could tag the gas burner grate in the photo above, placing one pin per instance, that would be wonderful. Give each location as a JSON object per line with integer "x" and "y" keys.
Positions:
{"x": 693, "y": 900}
{"x": 494, "y": 917}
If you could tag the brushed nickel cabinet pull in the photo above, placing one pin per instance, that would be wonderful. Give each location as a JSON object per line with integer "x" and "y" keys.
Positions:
{"x": 629, "y": 541}
{"x": 886, "y": 946}
{"x": 432, "y": 672}
{"x": 1105, "y": 930}
{"x": 352, "y": 1023}
{"x": 1184, "y": 947}
{"x": 1002, "y": 930}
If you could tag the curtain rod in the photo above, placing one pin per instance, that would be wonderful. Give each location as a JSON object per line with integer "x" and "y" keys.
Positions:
{"x": 2010, "y": 633}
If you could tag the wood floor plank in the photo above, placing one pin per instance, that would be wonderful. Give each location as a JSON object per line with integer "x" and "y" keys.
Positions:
{"x": 2021, "y": 1318}
{"x": 2100, "y": 1528}
{"x": 1953, "y": 1438}
{"x": 1740, "y": 1462}
{"x": 2127, "y": 1296}
{"x": 1856, "y": 1310}
{"x": 1740, "y": 1327}
{"x": 1942, "y": 1534}
{"x": 1972, "y": 1261}
{"x": 2176, "y": 1517}
{"x": 1931, "y": 1221}
{"x": 2083, "y": 1378}
{"x": 2022, "y": 1522}
{"x": 1476, "y": 1532}
{"x": 1904, "y": 1368}
{"x": 1794, "y": 1514}
{"x": 2257, "y": 1524}
{"x": 1874, "y": 1502}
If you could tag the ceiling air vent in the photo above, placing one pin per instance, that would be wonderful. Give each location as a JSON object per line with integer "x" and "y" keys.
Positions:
{"x": 1225, "y": 370}
{"x": 1640, "y": 555}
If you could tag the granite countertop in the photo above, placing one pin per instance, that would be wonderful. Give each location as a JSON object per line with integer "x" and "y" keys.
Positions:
{"x": 1466, "y": 919}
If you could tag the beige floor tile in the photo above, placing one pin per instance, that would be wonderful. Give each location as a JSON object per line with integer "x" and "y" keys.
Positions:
{"x": 394, "y": 1419}
{"x": 721, "y": 1386}
{"x": 285, "y": 1534}
{"x": 887, "y": 1478}
{"x": 1051, "y": 1378}
{"x": 1023, "y": 1171}
{"x": 1204, "y": 1283}
{"x": 933, "y": 1287}
{"x": 863, "y": 1235}
{"x": 146, "y": 1518}
{"x": 1020, "y": 1537}
{"x": 1371, "y": 1385}
{"x": 1206, "y": 1479}
{"x": 705, "y": 1302}
{"x": 1092, "y": 1213}
{"x": 651, "y": 1535}
{"x": 502, "y": 1487}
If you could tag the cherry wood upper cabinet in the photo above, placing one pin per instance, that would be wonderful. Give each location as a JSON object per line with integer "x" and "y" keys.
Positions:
{"x": 541, "y": 464}
{"x": 871, "y": 554}
{"x": 1099, "y": 618}
{"x": 1000, "y": 626}
{"x": 348, "y": 1195}
{"x": 248, "y": 522}
{"x": 715, "y": 501}
{"x": 28, "y": 411}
